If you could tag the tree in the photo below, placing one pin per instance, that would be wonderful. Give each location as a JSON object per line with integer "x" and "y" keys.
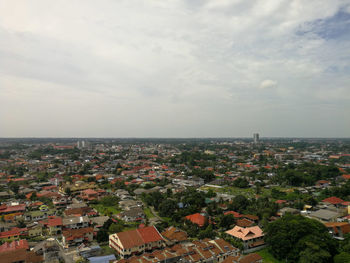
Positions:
{"x": 292, "y": 238}
{"x": 226, "y": 221}
{"x": 167, "y": 207}
{"x": 102, "y": 235}
{"x": 207, "y": 233}
{"x": 68, "y": 191}
{"x": 241, "y": 183}
{"x": 109, "y": 201}
{"x": 239, "y": 203}
{"x": 115, "y": 228}
{"x": 343, "y": 257}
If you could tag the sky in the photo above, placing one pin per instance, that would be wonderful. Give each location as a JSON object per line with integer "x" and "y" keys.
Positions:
{"x": 179, "y": 68}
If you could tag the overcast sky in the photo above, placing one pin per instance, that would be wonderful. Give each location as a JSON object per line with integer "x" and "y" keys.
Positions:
{"x": 194, "y": 68}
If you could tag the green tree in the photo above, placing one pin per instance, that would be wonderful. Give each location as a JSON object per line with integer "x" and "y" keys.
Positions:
{"x": 167, "y": 207}
{"x": 294, "y": 236}
{"x": 115, "y": 228}
{"x": 343, "y": 257}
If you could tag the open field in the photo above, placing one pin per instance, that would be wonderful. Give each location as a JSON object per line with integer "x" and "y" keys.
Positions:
{"x": 105, "y": 210}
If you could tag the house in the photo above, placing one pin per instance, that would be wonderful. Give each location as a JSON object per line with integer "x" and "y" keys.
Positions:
{"x": 89, "y": 195}
{"x": 244, "y": 222}
{"x": 132, "y": 215}
{"x": 34, "y": 230}
{"x": 7, "y": 246}
{"x": 137, "y": 241}
{"x": 79, "y": 211}
{"x": 333, "y": 201}
{"x": 53, "y": 224}
{"x": 235, "y": 214}
{"x": 173, "y": 235}
{"x": 75, "y": 222}
{"x": 4, "y": 209}
{"x": 325, "y": 215}
{"x": 251, "y": 237}
{"x": 73, "y": 237}
{"x": 13, "y": 234}
{"x": 251, "y": 258}
{"x": 102, "y": 259}
{"x": 338, "y": 229}
{"x": 98, "y": 221}
{"x": 323, "y": 183}
{"x": 61, "y": 202}
{"x": 20, "y": 255}
{"x": 288, "y": 210}
{"x": 198, "y": 219}
{"x": 129, "y": 204}
{"x": 38, "y": 215}
{"x": 211, "y": 251}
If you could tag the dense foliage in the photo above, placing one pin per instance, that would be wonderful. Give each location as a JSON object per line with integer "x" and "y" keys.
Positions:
{"x": 305, "y": 174}
{"x": 299, "y": 239}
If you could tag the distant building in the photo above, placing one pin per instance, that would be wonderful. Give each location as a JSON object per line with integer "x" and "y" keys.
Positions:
{"x": 256, "y": 137}
{"x": 82, "y": 144}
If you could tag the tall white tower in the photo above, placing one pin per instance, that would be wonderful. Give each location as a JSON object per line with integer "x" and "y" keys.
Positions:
{"x": 256, "y": 137}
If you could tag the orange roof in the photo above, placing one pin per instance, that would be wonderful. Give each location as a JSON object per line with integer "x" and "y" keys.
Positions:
{"x": 245, "y": 233}
{"x": 281, "y": 201}
{"x": 197, "y": 219}
{"x": 235, "y": 214}
{"x": 333, "y": 200}
{"x": 346, "y": 176}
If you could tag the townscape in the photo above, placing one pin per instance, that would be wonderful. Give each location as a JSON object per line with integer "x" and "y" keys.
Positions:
{"x": 174, "y": 200}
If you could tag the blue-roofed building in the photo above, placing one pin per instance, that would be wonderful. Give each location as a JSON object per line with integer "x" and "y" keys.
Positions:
{"x": 102, "y": 259}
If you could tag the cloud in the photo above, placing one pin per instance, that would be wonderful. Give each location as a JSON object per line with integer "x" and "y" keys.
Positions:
{"x": 267, "y": 84}
{"x": 172, "y": 68}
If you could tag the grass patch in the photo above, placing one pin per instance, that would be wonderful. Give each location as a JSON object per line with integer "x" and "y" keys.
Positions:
{"x": 105, "y": 210}
{"x": 148, "y": 213}
{"x": 267, "y": 256}
{"x": 106, "y": 250}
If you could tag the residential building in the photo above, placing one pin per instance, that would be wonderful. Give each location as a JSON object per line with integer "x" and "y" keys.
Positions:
{"x": 137, "y": 241}
{"x": 251, "y": 237}
{"x": 73, "y": 237}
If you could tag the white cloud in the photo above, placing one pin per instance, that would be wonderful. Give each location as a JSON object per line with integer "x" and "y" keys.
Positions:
{"x": 165, "y": 68}
{"x": 267, "y": 84}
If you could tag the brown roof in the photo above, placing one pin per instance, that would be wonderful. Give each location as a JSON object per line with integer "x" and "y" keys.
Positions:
{"x": 231, "y": 259}
{"x": 174, "y": 234}
{"x": 75, "y": 233}
{"x": 251, "y": 258}
{"x": 20, "y": 255}
{"x": 138, "y": 237}
{"x": 244, "y": 222}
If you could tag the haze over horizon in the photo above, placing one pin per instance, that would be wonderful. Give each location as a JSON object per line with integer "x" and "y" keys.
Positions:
{"x": 181, "y": 69}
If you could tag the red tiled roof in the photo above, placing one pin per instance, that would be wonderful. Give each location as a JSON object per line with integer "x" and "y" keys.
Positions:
{"x": 149, "y": 234}
{"x": 281, "y": 201}
{"x": 54, "y": 222}
{"x": 333, "y": 200}
{"x": 138, "y": 237}
{"x": 235, "y": 214}
{"x": 77, "y": 233}
{"x": 13, "y": 232}
{"x": 23, "y": 243}
{"x": 346, "y": 176}
{"x": 89, "y": 192}
{"x": 14, "y": 208}
{"x": 197, "y": 219}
